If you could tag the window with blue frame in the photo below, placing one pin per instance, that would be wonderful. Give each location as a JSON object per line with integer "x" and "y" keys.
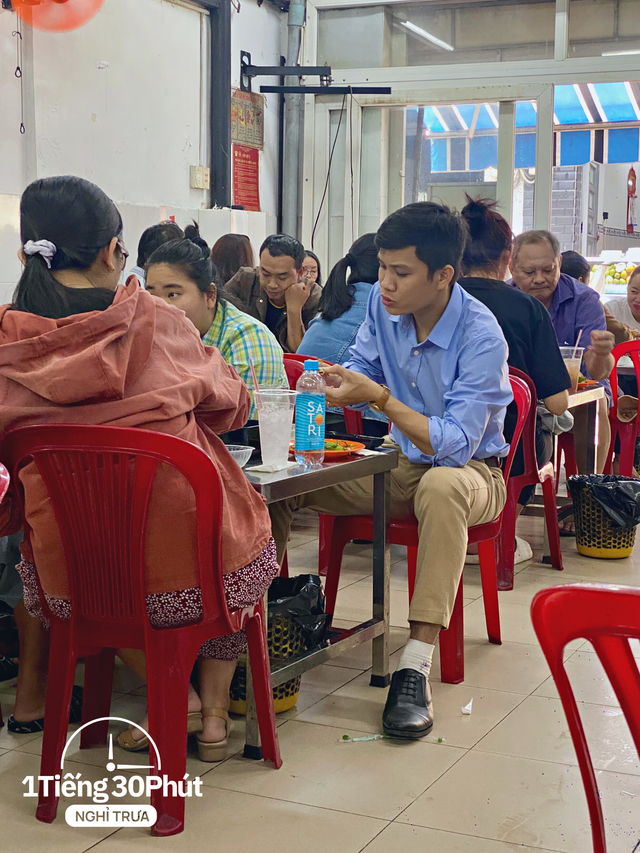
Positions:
{"x": 623, "y": 145}
{"x": 575, "y": 147}
{"x": 483, "y": 152}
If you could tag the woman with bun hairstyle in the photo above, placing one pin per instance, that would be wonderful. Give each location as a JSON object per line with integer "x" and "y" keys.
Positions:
{"x": 525, "y": 323}
{"x": 76, "y": 348}
{"x": 182, "y": 274}
{"x": 343, "y": 304}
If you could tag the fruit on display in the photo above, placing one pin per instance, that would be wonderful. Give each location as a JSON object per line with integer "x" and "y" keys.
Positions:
{"x": 618, "y": 273}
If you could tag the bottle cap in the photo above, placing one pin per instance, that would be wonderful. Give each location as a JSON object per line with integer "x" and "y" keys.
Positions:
{"x": 312, "y": 364}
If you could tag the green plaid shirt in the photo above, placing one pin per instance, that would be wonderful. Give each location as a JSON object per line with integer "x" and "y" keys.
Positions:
{"x": 239, "y": 338}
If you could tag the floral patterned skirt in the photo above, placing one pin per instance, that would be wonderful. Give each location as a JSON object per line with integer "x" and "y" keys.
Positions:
{"x": 182, "y": 607}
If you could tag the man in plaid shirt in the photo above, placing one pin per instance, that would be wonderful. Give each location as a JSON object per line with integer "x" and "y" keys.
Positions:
{"x": 239, "y": 338}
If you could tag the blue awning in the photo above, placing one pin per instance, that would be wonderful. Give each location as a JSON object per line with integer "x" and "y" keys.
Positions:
{"x": 574, "y": 104}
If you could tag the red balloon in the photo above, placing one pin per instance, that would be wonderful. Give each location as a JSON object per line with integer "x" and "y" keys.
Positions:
{"x": 56, "y": 16}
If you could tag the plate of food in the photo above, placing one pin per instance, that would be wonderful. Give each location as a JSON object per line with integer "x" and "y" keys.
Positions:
{"x": 583, "y": 382}
{"x": 335, "y": 449}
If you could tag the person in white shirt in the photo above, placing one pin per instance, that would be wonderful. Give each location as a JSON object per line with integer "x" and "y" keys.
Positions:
{"x": 627, "y": 309}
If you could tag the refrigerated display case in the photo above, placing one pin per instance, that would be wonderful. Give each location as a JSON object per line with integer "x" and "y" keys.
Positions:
{"x": 610, "y": 272}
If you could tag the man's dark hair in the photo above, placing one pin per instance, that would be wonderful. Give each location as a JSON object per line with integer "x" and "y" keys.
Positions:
{"x": 282, "y": 244}
{"x": 155, "y": 236}
{"x": 438, "y": 234}
{"x": 575, "y": 265}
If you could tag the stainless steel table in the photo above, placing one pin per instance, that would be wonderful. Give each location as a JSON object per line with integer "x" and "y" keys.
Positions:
{"x": 298, "y": 481}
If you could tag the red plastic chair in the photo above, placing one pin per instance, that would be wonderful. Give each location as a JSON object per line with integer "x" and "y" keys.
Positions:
{"x": 99, "y": 480}
{"x": 532, "y": 475}
{"x": 566, "y": 450}
{"x": 346, "y": 528}
{"x": 607, "y": 616}
{"x": 5, "y": 482}
{"x": 627, "y": 432}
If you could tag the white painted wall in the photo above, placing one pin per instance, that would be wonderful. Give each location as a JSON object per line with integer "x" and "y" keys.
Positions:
{"x": 135, "y": 125}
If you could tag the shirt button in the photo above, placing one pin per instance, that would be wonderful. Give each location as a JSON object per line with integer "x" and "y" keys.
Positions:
{"x": 413, "y": 384}
{"x": 416, "y": 352}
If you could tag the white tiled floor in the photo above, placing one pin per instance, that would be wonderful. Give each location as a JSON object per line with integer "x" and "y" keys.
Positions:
{"x": 504, "y": 779}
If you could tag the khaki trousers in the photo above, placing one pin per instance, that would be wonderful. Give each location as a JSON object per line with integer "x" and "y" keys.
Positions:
{"x": 445, "y": 502}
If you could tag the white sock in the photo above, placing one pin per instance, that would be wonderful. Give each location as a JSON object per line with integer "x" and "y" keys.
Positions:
{"x": 417, "y": 655}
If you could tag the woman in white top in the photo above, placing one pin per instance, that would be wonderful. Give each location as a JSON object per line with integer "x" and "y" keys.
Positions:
{"x": 628, "y": 310}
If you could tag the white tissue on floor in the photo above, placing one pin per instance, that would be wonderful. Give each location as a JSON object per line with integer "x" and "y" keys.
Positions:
{"x": 467, "y": 709}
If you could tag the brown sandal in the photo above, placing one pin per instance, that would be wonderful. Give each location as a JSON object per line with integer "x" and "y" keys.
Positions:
{"x": 126, "y": 740}
{"x": 215, "y": 751}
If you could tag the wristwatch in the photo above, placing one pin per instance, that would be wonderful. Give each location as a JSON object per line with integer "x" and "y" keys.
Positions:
{"x": 379, "y": 405}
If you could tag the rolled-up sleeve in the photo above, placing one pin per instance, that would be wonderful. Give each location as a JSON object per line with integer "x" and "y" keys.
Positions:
{"x": 479, "y": 395}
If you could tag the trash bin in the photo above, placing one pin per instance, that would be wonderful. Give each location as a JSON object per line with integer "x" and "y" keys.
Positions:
{"x": 606, "y": 510}
{"x": 296, "y": 621}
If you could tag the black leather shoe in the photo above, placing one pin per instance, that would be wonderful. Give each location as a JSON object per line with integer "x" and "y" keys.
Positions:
{"x": 408, "y": 712}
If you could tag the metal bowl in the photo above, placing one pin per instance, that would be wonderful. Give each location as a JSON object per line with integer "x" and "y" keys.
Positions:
{"x": 240, "y": 453}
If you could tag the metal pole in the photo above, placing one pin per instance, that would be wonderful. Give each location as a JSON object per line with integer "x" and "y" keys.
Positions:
{"x": 220, "y": 111}
{"x": 292, "y": 125}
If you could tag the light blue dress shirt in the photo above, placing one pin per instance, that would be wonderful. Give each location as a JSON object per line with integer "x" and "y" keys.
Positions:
{"x": 458, "y": 377}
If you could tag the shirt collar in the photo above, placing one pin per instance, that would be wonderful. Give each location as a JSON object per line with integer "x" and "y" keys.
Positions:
{"x": 214, "y": 335}
{"x": 443, "y": 330}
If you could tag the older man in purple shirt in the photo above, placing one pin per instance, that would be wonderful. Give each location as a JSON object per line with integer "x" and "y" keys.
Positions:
{"x": 574, "y": 308}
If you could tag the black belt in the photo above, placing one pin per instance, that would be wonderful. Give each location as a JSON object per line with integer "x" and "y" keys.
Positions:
{"x": 493, "y": 461}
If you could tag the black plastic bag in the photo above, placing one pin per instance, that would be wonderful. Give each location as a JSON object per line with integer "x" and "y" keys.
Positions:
{"x": 302, "y": 600}
{"x": 618, "y": 496}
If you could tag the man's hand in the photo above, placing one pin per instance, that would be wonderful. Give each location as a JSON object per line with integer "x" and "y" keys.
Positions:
{"x": 347, "y": 388}
{"x": 296, "y": 296}
{"x": 597, "y": 358}
{"x": 601, "y": 343}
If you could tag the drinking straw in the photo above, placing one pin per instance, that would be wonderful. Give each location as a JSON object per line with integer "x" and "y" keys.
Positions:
{"x": 575, "y": 346}
{"x": 255, "y": 385}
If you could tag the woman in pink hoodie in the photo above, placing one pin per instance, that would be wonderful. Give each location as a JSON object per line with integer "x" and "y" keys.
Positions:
{"x": 77, "y": 348}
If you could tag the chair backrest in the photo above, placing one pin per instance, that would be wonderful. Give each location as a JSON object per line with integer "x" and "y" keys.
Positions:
{"x": 294, "y": 368}
{"x": 631, "y": 349}
{"x": 522, "y": 399}
{"x": 607, "y": 616}
{"x": 99, "y": 481}
{"x": 528, "y": 440}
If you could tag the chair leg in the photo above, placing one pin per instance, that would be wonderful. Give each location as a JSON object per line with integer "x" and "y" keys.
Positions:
{"x": 551, "y": 520}
{"x": 452, "y": 645}
{"x": 608, "y": 465}
{"x": 262, "y": 687}
{"x": 98, "y": 684}
{"x": 489, "y": 575}
{"x": 412, "y": 567}
{"x": 61, "y": 674}
{"x": 326, "y": 523}
{"x": 339, "y": 539}
{"x": 169, "y": 664}
{"x": 506, "y": 549}
{"x": 627, "y": 449}
{"x": 284, "y": 571}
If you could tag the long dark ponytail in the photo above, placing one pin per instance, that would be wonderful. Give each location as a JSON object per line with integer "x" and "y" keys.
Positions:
{"x": 79, "y": 219}
{"x": 339, "y": 292}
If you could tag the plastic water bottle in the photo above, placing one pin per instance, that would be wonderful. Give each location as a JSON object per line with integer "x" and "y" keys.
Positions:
{"x": 311, "y": 412}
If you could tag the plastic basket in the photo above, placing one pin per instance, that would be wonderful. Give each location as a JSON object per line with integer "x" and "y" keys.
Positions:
{"x": 596, "y": 534}
{"x": 285, "y": 642}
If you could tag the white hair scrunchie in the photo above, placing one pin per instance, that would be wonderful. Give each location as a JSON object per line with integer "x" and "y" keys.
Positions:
{"x": 40, "y": 247}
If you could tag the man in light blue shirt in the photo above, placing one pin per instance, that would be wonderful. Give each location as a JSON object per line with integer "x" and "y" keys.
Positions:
{"x": 434, "y": 360}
